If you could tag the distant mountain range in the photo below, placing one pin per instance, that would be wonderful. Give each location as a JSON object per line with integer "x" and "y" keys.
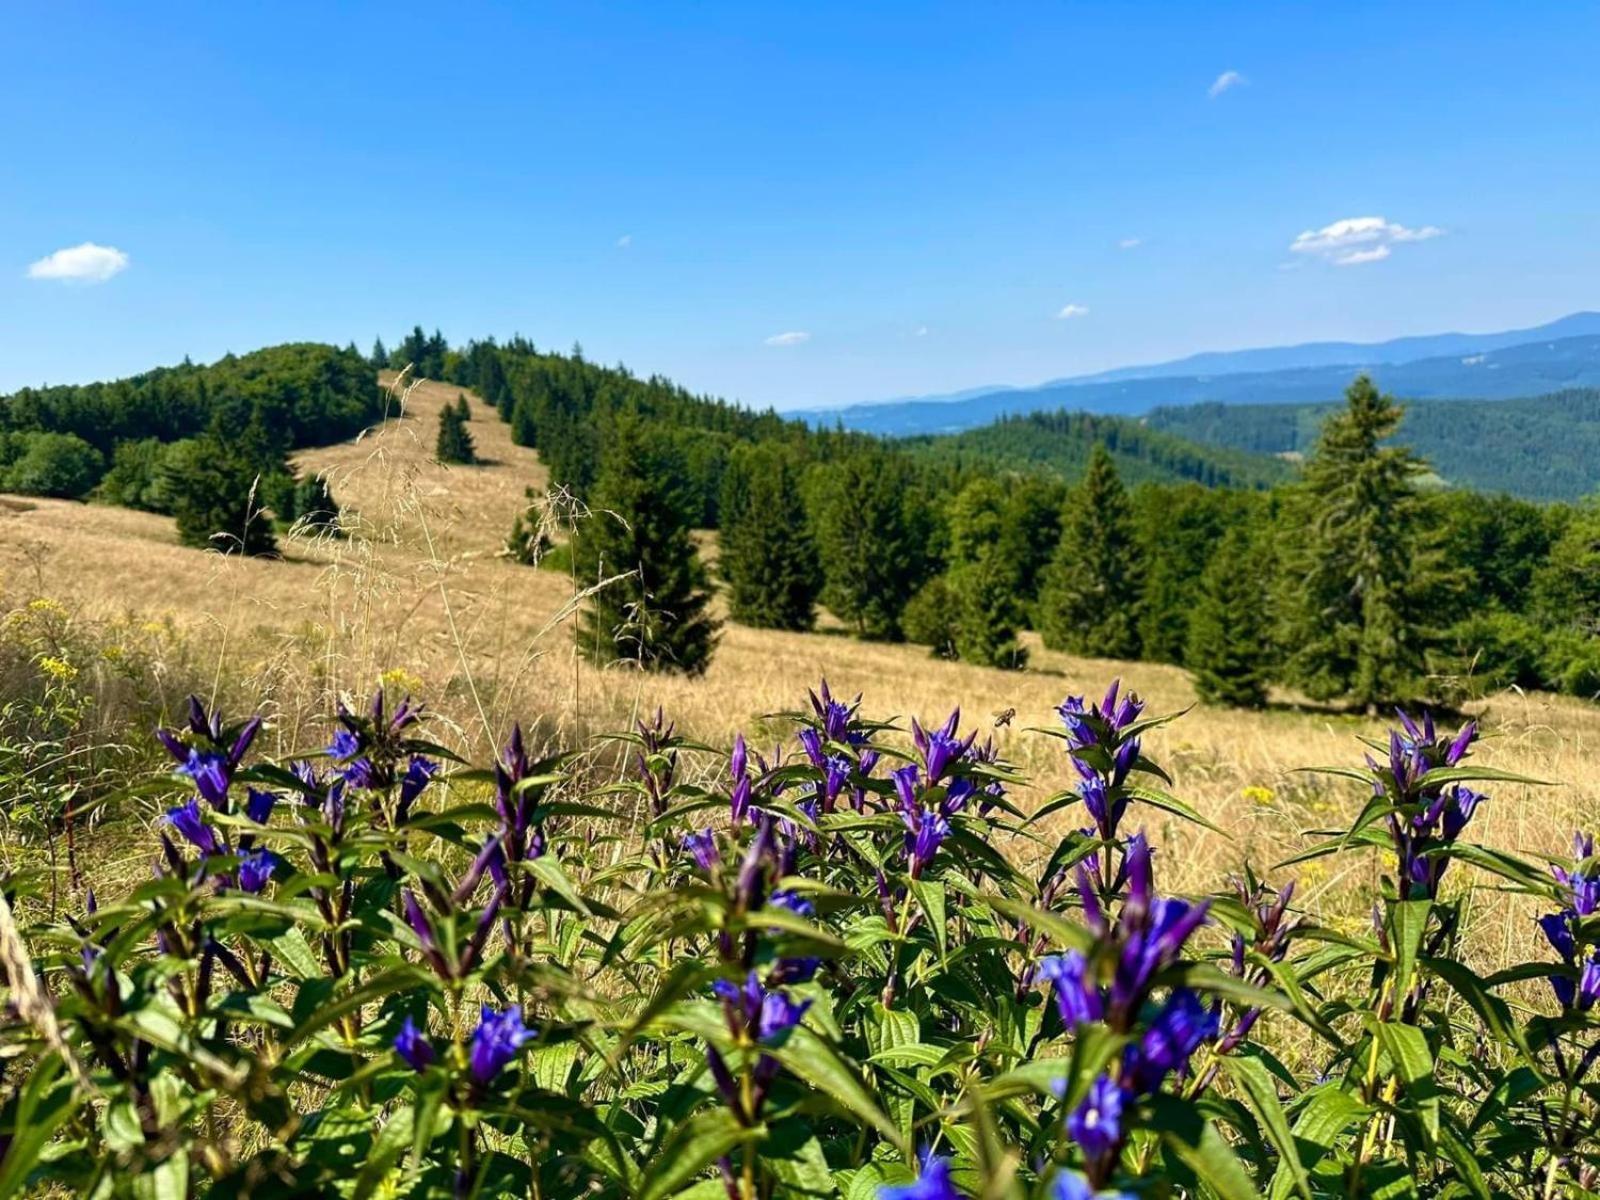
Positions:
{"x": 1488, "y": 366}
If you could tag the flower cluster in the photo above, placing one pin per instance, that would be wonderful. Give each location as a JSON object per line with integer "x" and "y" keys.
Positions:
{"x": 1113, "y": 984}
{"x": 1577, "y": 986}
{"x": 495, "y": 1044}
{"x": 1103, "y": 750}
{"x": 929, "y": 791}
{"x": 1428, "y": 814}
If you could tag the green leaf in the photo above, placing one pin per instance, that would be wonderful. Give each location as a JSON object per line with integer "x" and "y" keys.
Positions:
{"x": 930, "y": 895}
{"x": 1262, "y": 1089}
{"x": 1408, "y": 922}
{"x": 1322, "y": 1121}
{"x": 811, "y": 1058}
{"x": 691, "y": 1148}
{"x": 1198, "y": 1143}
{"x": 46, "y": 1103}
{"x": 1407, "y": 1048}
{"x": 1169, "y": 803}
{"x": 392, "y": 1141}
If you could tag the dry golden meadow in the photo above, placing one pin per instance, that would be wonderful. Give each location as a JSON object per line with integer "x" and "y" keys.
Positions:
{"x": 422, "y": 592}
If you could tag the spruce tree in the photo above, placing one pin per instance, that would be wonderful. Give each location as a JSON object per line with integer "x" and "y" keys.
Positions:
{"x": 380, "y": 355}
{"x": 463, "y": 410}
{"x": 1089, "y": 599}
{"x": 314, "y": 505}
{"x": 654, "y": 615}
{"x": 522, "y": 422}
{"x": 1227, "y": 647}
{"x": 983, "y": 581}
{"x": 529, "y": 541}
{"x": 872, "y": 537}
{"x": 767, "y": 557}
{"x": 216, "y": 497}
{"x": 455, "y": 442}
{"x": 1358, "y": 569}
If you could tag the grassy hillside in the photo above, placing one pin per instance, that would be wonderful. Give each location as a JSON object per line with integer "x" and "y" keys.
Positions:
{"x": 1540, "y": 448}
{"x": 1061, "y": 442}
{"x": 419, "y": 591}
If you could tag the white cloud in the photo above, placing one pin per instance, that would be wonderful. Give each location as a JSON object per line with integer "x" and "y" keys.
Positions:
{"x": 1130, "y": 243}
{"x": 920, "y": 331}
{"x": 1356, "y": 240}
{"x": 1225, "y": 81}
{"x": 88, "y": 263}
{"x": 1073, "y": 310}
{"x": 625, "y": 241}
{"x": 793, "y": 338}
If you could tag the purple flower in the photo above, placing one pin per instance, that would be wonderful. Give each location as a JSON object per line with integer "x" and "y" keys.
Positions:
{"x": 258, "y": 805}
{"x": 419, "y": 773}
{"x": 738, "y": 761}
{"x": 186, "y": 819}
{"x": 835, "y": 774}
{"x": 346, "y": 744}
{"x": 255, "y": 869}
{"x": 756, "y": 1011}
{"x": 496, "y": 1041}
{"x": 1589, "y": 983}
{"x": 905, "y": 784}
{"x": 932, "y": 1183}
{"x": 811, "y": 743}
{"x": 835, "y": 716}
{"x": 411, "y": 1045}
{"x": 1182, "y": 1026}
{"x": 702, "y": 847}
{"x": 739, "y": 802}
{"x": 1077, "y": 996}
{"x": 940, "y": 747}
{"x": 925, "y": 832}
{"x": 211, "y": 773}
{"x": 792, "y": 901}
{"x": 1096, "y": 1124}
{"x": 1582, "y": 883}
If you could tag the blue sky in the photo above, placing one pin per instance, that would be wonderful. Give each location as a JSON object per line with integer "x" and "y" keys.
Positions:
{"x": 920, "y": 191}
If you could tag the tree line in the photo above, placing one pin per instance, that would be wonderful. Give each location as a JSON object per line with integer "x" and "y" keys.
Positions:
{"x": 208, "y": 445}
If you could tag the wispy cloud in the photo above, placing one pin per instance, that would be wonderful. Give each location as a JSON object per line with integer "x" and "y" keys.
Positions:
{"x": 1357, "y": 240}
{"x": 1224, "y": 82}
{"x": 1130, "y": 243}
{"x": 1071, "y": 311}
{"x": 793, "y": 337}
{"x": 86, "y": 263}
{"x": 920, "y": 331}
{"x": 625, "y": 241}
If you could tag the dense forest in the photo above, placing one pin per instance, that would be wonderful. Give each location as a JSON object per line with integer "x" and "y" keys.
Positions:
{"x": 1544, "y": 447}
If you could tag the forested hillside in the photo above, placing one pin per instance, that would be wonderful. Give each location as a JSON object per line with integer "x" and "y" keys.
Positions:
{"x": 1063, "y": 442}
{"x": 1540, "y": 448}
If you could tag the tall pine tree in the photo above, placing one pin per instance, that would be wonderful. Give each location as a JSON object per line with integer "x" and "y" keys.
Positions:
{"x": 767, "y": 557}
{"x": 655, "y": 614}
{"x": 1089, "y": 600}
{"x": 1227, "y": 640}
{"x": 1358, "y": 569}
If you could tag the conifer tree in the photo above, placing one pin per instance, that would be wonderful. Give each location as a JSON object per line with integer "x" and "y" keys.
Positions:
{"x": 380, "y": 355}
{"x": 217, "y": 496}
{"x": 1227, "y": 649}
{"x": 767, "y": 557}
{"x": 463, "y": 410}
{"x": 983, "y": 582}
{"x": 455, "y": 441}
{"x": 1089, "y": 600}
{"x": 314, "y": 505}
{"x": 522, "y": 422}
{"x": 529, "y": 541}
{"x": 872, "y": 540}
{"x": 1358, "y": 569}
{"x": 655, "y": 614}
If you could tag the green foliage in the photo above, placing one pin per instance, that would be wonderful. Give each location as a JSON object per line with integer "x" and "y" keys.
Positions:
{"x": 454, "y": 444}
{"x": 1179, "y": 529}
{"x": 1063, "y": 443}
{"x": 1566, "y": 587}
{"x": 1544, "y": 447}
{"x": 1226, "y": 651}
{"x": 384, "y": 972}
{"x": 765, "y": 552}
{"x": 930, "y": 618}
{"x": 872, "y": 533}
{"x": 983, "y": 583}
{"x": 48, "y": 464}
{"x": 308, "y": 394}
{"x": 1357, "y": 564}
{"x": 214, "y": 488}
{"x": 650, "y": 609}
{"x": 529, "y": 541}
{"x": 1089, "y": 601}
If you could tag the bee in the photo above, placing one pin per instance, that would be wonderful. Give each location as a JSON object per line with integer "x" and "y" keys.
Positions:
{"x": 1003, "y": 717}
